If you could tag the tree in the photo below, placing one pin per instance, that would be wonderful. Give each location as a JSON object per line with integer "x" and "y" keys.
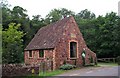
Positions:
{"x": 17, "y": 15}
{"x": 6, "y": 14}
{"x": 107, "y": 35}
{"x": 57, "y": 14}
{"x": 86, "y": 23}
{"x": 101, "y": 33}
{"x": 36, "y": 23}
{"x": 85, "y": 14}
{"x": 12, "y": 44}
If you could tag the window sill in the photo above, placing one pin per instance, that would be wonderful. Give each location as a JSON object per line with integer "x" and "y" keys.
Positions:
{"x": 41, "y": 58}
{"x": 30, "y": 57}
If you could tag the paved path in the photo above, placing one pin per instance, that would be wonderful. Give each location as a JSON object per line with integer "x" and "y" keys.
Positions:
{"x": 94, "y": 71}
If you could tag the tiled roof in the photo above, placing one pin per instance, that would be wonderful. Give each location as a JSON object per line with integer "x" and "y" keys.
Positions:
{"x": 47, "y": 37}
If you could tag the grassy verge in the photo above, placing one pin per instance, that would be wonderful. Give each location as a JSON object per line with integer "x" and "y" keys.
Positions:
{"x": 52, "y": 73}
{"x": 46, "y": 74}
{"x": 108, "y": 64}
{"x": 57, "y": 72}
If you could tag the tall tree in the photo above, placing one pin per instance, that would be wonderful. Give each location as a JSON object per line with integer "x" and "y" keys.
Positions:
{"x": 86, "y": 14}
{"x": 101, "y": 33}
{"x": 36, "y": 23}
{"x": 6, "y": 14}
{"x": 19, "y": 16}
{"x": 107, "y": 35}
{"x": 57, "y": 14}
{"x": 12, "y": 44}
{"x": 85, "y": 20}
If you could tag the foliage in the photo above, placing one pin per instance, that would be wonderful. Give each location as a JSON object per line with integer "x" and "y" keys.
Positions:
{"x": 67, "y": 67}
{"x": 86, "y": 14}
{"x": 12, "y": 44}
{"x": 107, "y": 35}
{"x": 118, "y": 60}
{"x": 57, "y": 14}
{"x": 36, "y": 23}
{"x": 101, "y": 33}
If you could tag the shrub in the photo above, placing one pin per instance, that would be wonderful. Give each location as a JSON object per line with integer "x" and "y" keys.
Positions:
{"x": 67, "y": 67}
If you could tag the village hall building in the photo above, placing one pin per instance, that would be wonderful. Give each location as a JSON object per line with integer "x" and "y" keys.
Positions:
{"x": 59, "y": 42}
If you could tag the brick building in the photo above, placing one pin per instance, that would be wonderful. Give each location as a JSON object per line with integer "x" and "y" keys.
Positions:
{"x": 59, "y": 42}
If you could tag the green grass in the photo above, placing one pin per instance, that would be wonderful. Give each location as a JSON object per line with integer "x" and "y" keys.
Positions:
{"x": 57, "y": 72}
{"x": 45, "y": 74}
{"x": 108, "y": 64}
{"x": 52, "y": 73}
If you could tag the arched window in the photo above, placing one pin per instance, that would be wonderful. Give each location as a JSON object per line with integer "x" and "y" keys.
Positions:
{"x": 73, "y": 49}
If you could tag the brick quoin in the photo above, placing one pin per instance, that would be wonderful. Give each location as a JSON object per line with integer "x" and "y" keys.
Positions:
{"x": 54, "y": 40}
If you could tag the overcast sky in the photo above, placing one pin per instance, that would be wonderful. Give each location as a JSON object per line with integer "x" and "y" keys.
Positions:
{"x": 43, "y": 7}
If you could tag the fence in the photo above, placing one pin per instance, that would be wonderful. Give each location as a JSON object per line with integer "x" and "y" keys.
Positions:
{"x": 107, "y": 60}
{"x": 46, "y": 66}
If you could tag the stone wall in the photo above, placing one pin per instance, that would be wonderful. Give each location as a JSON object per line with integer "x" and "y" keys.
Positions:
{"x": 19, "y": 70}
{"x": 62, "y": 52}
{"x": 11, "y": 70}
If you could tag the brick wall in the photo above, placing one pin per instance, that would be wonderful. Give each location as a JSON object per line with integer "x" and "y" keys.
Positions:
{"x": 13, "y": 70}
{"x": 61, "y": 51}
{"x": 48, "y": 55}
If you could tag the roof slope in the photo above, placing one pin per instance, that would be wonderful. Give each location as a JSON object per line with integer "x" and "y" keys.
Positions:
{"x": 47, "y": 36}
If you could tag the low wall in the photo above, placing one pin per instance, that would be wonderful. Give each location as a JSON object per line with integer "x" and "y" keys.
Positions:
{"x": 26, "y": 70}
{"x": 19, "y": 70}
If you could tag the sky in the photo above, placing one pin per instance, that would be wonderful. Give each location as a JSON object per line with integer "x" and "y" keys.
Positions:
{"x": 43, "y": 7}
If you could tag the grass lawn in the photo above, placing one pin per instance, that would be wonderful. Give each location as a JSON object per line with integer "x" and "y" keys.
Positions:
{"x": 108, "y": 64}
{"x": 52, "y": 73}
{"x": 47, "y": 74}
{"x": 55, "y": 72}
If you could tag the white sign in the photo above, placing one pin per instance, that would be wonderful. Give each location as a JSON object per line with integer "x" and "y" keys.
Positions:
{"x": 83, "y": 54}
